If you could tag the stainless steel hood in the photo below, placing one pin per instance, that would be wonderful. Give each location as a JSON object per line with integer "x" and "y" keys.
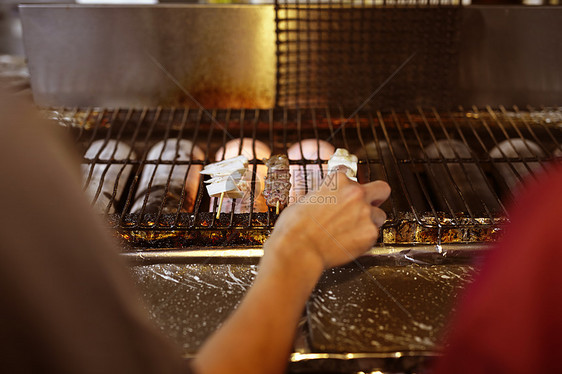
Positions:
{"x": 133, "y": 56}
{"x": 225, "y": 56}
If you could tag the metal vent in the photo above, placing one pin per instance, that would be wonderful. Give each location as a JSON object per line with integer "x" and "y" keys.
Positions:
{"x": 451, "y": 172}
{"x": 358, "y": 54}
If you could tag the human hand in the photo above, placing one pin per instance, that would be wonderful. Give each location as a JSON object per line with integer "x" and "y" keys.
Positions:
{"x": 330, "y": 227}
{"x": 333, "y": 225}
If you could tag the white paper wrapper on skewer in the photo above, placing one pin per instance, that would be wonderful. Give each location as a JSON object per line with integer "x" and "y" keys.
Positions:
{"x": 227, "y": 185}
{"x": 243, "y": 203}
{"x": 342, "y": 157}
{"x": 225, "y": 179}
{"x": 226, "y": 167}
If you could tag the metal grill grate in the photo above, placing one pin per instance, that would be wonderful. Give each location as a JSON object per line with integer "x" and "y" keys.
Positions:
{"x": 346, "y": 53}
{"x": 451, "y": 172}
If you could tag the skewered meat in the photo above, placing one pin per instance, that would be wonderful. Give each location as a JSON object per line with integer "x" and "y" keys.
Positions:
{"x": 277, "y": 181}
{"x": 308, "y": 178}
{"x": 106, "y": 177}
{"x": 154, "y": 178}
{"x": 457, "y": 186}
{"x": 342, "y": 157}
{"x": 232, "y": 149}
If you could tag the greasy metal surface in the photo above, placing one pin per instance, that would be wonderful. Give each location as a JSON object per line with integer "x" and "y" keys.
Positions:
{"x": 14, "y": 74}
{"x": 225, "y": 56}
{"x": 387, "y": 310}
{"x": 384, "y": 308}
{"x": 133, "y": 56}
{"x": 510, "y": 55}
{"x": 399, "y": 231}
{"x": 251, "y": 255}
{"x": 356, "y": 363}
{"x": 190, "y": 301}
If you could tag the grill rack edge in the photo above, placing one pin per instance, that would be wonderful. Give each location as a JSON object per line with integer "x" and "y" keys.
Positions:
{"x": 479, "y": 129}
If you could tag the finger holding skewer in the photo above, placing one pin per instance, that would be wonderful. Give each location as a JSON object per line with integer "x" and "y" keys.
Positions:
{"x": 342, "y": 159}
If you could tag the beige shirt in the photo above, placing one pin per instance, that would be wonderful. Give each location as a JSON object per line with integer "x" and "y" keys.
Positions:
{"x": 68, "y": 304}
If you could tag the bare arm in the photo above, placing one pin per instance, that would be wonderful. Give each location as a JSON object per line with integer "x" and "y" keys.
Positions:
{"x": 334, "y": 226}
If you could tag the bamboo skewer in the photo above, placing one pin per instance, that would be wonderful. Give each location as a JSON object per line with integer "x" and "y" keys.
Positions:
{"x": 220, "y": 205}
{"x": 277, "y": 207}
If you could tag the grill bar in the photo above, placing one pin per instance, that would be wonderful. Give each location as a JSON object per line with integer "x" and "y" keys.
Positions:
{"x": 433, "y": 174}
{"x": 299, "y": 139}
{"x": 497, "y": 144}
{"x": 147, "y": 137}
{"x": 254, "y": 167}
{"x": 119, "y": 135}
{"x": 396, "y": 161}
{"x": 479, "y": 163}
{"x": 317, "y": 137}
{"x": 193, "y": 139}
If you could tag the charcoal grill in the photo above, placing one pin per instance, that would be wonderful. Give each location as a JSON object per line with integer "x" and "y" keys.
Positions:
{"x": 419, "y": 211}
{"x": 217, "y": 257}
{"x": 382, "y": 80}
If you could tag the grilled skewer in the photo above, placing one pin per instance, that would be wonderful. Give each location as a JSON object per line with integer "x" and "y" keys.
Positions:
{"x": 252, "y": 149}
{"x": 226, "y": 179}
{"x": 277, "y": 182}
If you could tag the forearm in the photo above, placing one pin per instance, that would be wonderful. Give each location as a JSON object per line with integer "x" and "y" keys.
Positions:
{"x": 259, "y": 335}
{"x": 308, "y": 237}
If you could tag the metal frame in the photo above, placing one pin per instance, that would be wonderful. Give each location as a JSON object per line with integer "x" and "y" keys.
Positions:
{"x": 439, "y": 222}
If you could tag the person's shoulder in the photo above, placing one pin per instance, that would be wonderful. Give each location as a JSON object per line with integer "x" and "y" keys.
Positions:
{"x": 541, "y": 191}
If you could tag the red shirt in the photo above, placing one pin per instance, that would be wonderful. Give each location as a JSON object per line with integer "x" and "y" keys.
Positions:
{"x": 510, "y": 319}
